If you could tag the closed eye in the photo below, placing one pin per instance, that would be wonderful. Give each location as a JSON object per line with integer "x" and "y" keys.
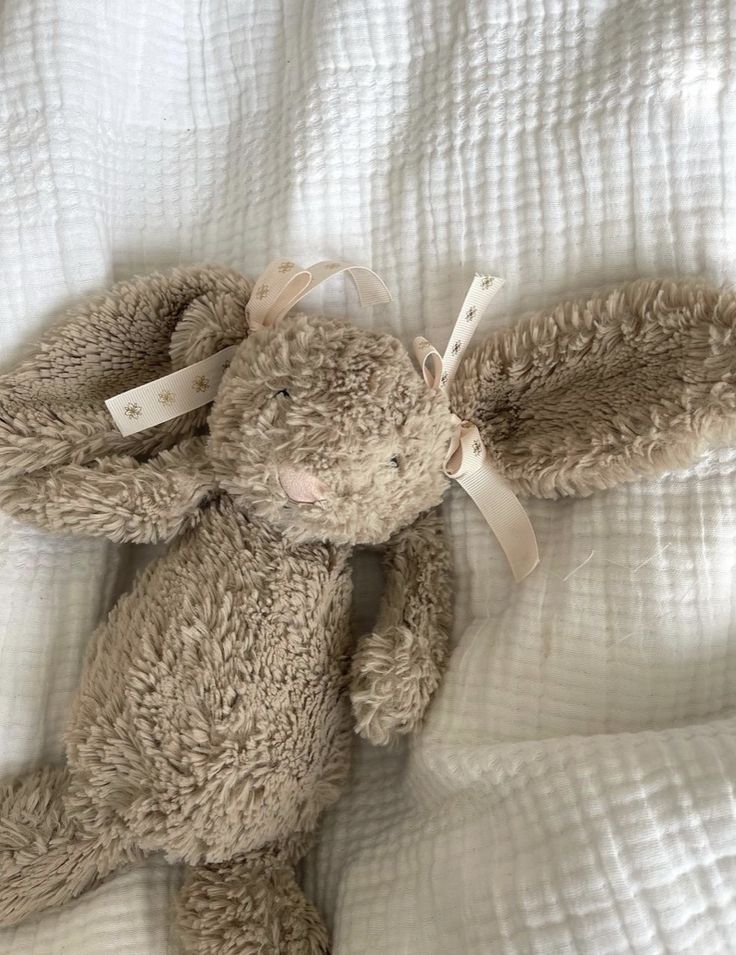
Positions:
{"x": 284, "y": 392}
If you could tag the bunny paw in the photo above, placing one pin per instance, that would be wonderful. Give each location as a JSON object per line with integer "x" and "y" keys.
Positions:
{"x": 394, "y": 674}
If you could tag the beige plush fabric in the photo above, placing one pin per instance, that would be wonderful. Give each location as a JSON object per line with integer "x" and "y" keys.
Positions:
{"x": 213, "y": 721}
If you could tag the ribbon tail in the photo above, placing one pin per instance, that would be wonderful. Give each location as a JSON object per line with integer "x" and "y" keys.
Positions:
{"x": 505, "y": 516}
{"x": 168, "y": 397}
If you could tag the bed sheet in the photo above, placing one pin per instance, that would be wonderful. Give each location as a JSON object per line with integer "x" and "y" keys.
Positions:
{"x": 572, "y": 790}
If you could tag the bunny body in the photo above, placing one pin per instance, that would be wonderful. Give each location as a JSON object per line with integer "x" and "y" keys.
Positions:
{"x": 214, "y": 718}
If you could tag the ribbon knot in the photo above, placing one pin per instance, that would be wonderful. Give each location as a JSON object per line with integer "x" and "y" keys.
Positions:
{"x": 467, "y": 460}
{"x": 467, "y": 453}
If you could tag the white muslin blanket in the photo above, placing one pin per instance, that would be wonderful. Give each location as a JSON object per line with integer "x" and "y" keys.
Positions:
{"x": 573, "y": 789}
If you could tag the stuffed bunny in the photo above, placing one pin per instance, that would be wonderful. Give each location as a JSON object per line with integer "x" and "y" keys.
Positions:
{"x": 213, "y": 721}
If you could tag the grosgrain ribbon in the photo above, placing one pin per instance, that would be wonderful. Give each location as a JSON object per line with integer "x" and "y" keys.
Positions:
{"x": 439, "y": 370}
{"x": 278, "y": 289}
{"x": 284, "y": 283}
{"x": 170, "y": 396}
{"x": 467, "y": 460}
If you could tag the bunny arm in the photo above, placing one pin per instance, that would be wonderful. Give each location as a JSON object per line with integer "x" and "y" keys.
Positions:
{"x": 119, "y": 497}
{"x": 397, "y": 668}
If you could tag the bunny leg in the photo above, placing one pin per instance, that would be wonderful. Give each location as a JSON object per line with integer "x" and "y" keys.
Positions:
{"x": 46, "y": 858}
{"x": 251, "y": 905}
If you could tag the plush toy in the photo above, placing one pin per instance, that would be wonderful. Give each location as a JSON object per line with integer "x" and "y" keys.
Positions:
{"x": 213, "y": 722}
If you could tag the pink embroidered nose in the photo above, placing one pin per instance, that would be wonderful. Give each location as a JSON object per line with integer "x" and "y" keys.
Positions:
{"x": 301, "y": 486}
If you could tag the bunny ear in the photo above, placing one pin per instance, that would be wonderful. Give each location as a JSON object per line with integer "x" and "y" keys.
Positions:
{"x": 52, "y": 409}
{"x": 628, "y": 383}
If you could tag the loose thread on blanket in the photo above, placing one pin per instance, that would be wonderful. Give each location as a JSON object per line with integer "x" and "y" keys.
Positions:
{"x": 574, "y": 571}
{"x": 653, "y": 557}
{"x": 547, "y": 637}
{"x": 626, "y": 636}
{"x": 615, "y": 563}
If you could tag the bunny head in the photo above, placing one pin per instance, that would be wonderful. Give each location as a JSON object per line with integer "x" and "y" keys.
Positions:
{"x": 327, "y": 431}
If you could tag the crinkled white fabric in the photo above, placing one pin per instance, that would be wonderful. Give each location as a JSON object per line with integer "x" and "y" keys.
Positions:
{"x": 573, "y": 789}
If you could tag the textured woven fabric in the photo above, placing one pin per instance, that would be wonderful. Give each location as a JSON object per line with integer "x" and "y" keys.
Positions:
{"x": 572, "y": 791}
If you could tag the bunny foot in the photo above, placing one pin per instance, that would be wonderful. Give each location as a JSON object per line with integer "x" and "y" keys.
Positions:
{"x": 251, "y": 906}
{"x": 394, "y": 675}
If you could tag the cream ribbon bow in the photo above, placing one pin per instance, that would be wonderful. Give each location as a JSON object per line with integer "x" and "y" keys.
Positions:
{"x": 467, "y": 460}
{"x": 277, "y": 290}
